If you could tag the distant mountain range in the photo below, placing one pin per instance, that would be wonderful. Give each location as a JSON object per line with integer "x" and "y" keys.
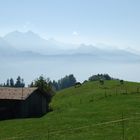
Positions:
{"x": 31, "y": 44}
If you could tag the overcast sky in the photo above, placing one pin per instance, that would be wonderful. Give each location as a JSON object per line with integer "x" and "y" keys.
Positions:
{"x": 112, "y": 22}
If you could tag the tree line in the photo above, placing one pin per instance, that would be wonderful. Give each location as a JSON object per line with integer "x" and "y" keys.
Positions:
{"x": 99, "y": 77}
{"x": 10, "y": 82}
{"x": 65, "y": 82}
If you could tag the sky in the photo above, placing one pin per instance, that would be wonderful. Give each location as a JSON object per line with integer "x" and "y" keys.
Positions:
{"x": 111, "y": 22}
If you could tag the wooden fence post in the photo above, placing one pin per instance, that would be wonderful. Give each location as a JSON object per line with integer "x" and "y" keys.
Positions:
{"x": 48, "y": 135}
{"x": 137, "y": 89}
{"x": 123, "y": 127}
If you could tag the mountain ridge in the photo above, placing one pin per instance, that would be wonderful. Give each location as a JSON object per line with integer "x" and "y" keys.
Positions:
{"x": 32, "y": 43}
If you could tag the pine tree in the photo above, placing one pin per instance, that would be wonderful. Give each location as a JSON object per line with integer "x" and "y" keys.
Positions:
{"x": 12, "y": 82}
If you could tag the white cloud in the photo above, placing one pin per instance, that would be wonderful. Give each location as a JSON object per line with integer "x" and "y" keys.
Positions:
{"x": 75, "y": 33}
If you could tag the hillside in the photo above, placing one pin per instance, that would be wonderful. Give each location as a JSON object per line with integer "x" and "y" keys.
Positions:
{"x": 92, "y": 111}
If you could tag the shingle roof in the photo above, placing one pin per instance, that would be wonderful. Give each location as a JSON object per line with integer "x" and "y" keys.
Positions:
{"x": 16, "y": 93}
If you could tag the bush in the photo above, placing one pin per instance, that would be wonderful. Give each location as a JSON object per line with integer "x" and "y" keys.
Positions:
{"x": 100, "y": 77}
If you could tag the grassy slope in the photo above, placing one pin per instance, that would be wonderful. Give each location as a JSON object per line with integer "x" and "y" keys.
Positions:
{"x": 78, "y": 110}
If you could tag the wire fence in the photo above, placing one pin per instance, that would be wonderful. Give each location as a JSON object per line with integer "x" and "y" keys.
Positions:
{"x": 51, "y": 133}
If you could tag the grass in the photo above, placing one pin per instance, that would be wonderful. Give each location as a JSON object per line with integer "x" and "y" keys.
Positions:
{"x": 92, "y": 111}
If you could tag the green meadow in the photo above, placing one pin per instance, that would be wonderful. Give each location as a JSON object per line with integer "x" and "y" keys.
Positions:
{"x": 89, "y": 112}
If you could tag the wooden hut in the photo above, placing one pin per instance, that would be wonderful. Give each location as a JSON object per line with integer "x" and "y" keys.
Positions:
{"x": 22, "y": 103}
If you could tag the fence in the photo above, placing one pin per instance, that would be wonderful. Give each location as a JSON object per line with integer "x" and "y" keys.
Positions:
{"x": 56, "y": 134}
